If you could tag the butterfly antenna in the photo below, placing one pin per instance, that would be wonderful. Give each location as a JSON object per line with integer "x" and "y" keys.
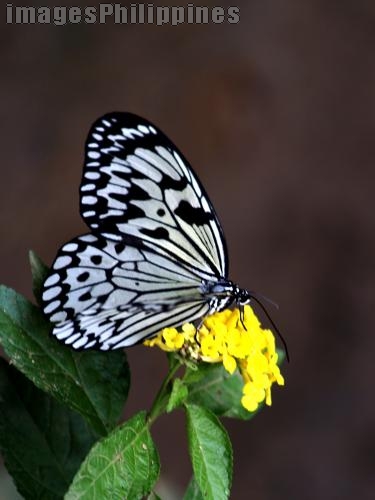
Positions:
{"x": 260, "y": 296}
{"x": 273, "y": 324}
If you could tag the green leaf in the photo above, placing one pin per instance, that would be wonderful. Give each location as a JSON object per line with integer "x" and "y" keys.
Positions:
{"x": 125, "y": 464}
{"x": 178, "y": 395}
{"x": 193, "y": 492}
{"x": 215, "y": 389}
{"x": 43, "y": 443}
{"x": 95, "y": 384}
{"x": 39, "y": 272}
{"x": 211, "y": 453}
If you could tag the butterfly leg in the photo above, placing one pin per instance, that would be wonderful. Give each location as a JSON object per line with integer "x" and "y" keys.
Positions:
{"x": 197, "y": 328}
{"x": 212, "y": 310}
{"x": 241, "y": 307}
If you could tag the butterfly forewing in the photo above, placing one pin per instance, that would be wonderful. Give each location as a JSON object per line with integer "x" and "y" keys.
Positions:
{"x": 136, "y": 183}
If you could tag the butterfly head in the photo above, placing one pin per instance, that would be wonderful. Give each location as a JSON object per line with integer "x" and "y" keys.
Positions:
{"x": 242, "y": 296}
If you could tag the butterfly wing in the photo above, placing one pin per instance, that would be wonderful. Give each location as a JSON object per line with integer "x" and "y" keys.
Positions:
{"x": 107, "y": 294}
{"x": 156, "y": 241}
{"x": 117, "y": 328}
{"x": 136, "y": 183}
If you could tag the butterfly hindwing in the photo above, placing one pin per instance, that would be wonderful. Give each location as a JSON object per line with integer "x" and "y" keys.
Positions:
{"x": 136, "y": 183}
{"x": 116, "y": 328}
{"x": 95, "y": 273}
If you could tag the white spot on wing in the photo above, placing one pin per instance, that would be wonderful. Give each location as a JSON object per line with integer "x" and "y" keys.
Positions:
{"x": 143, "y": 129}
{"x": 89, "y": 238}
{"x": 92, "y": 175}
{"x": 88, "y": 187}
{"x": 58, "y": 317}
{"x": 62, "y": 261}
{"x": 70, "y": 247}
{"x": 80, "y": 343}
{"x": 89, "y": 200}
{"x": 52, "y": 306}
{"x": 93, "y": 154}
{"x": 51, "y": 293}
{"x": 52, "y": 280}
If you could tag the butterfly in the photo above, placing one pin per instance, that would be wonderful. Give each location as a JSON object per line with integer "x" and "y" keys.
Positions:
{"x": 156, "y": 255}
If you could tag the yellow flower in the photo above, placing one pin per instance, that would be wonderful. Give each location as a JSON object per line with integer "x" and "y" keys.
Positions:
{"x": 252, "y": 396}
{"x": 224, "y": 338}
{"x": 169, "y": 340}
{"x": 229, "y": 363}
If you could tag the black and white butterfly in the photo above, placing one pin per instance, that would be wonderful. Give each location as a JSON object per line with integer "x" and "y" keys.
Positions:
{"x": 156, "y": 254}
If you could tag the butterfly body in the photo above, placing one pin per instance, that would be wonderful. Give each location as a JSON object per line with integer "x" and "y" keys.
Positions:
{"x": 156, "y": 256}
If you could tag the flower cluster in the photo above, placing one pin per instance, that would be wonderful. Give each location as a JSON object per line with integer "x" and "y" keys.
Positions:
{"x": 235, "y": 342}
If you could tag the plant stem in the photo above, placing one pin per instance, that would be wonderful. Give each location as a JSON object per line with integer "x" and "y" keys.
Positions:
{"x": 161, "y": 399}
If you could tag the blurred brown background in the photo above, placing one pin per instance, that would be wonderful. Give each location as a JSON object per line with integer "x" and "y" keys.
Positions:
{"x": 277, "y": 115}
